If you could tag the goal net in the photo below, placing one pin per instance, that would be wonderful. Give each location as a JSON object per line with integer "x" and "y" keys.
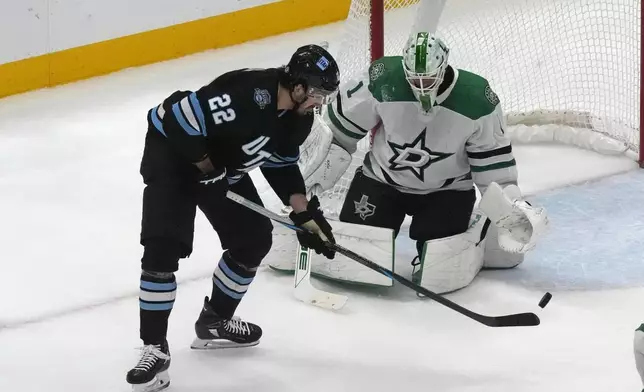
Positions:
{"x": 565, "y": 70}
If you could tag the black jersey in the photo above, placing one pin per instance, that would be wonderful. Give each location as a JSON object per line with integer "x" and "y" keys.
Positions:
{"x": 235, "y": 121}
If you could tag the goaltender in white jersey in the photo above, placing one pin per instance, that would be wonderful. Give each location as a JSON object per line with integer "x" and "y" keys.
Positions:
{"x": 638, "y": 350}
{"x": 438, "y": 131}
{"x": 458, "y": 139}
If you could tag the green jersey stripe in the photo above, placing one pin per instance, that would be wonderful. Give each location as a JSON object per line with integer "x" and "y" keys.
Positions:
{"x": 494, "y": 166}
{"x": 340, "y": 127}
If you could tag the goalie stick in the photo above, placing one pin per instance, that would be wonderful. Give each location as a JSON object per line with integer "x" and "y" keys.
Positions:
{"x": 511, "y": 320}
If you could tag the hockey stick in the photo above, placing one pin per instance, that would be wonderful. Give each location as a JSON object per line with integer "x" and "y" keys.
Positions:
{"x": 512, "y": 320}
{"x": 303, "y": 289}
{"x": 306, "y": 292}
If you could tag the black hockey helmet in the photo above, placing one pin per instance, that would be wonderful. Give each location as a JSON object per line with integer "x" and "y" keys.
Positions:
{"x": 314, "y": 68}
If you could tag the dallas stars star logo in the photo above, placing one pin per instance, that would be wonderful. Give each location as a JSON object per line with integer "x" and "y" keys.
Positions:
{"x": 415, "y": 156}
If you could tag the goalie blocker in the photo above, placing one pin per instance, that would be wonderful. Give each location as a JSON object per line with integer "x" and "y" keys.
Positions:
{"x": 501, "y": 231}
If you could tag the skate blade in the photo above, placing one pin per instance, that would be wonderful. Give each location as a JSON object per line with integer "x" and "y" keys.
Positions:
{"x": 160, "y": 382}
{"x": 206, "y": 344}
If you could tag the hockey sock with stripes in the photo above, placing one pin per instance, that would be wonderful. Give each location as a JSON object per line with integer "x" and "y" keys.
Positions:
{"x": 156, "y": 299}
{"x": 230, "y": 282}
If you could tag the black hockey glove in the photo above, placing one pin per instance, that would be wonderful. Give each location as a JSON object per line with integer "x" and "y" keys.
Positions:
{"x": 213, "y": 180}
{"x": 313, "y": 220}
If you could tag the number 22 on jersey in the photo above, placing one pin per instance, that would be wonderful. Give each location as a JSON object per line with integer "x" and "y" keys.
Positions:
{"x": 220, "y": 112}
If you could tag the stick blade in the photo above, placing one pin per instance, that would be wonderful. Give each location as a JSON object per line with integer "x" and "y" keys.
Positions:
{"x": 309, "y": 294}
{"x": 517, "y": 320}
{"x": 304, "y": 289}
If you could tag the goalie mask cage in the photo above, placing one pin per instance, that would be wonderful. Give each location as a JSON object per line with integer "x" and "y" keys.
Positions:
{"x": 565, "y": 70}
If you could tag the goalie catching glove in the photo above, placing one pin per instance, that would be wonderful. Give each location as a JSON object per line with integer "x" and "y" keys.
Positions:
{"x": 519, "y": 224}
{"x": 319, "y": 229}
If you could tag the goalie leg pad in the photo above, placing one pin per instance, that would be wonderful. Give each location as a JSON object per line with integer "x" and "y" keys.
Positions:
{"x": 322, "y": 162}
{"x": 327, "y": 174}
{"x": 451, "y": 263}
{"x": 374, "y": 243}
{"x": 285, "y": 246}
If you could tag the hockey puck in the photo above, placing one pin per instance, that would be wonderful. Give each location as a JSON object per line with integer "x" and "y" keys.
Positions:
{"x": 544, "y": 300}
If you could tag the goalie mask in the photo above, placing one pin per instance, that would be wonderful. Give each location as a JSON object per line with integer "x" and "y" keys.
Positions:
{"x": 425, "y": 62}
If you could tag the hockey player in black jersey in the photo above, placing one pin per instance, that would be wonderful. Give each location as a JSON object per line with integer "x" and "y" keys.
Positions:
{"x": 198, "y": 146}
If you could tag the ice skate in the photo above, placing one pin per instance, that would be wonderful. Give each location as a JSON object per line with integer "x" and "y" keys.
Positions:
{"x": 151, "y": 373}
{"x": 215, "y": 332}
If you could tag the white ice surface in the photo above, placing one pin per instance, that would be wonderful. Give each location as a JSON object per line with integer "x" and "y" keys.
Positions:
{"x": 70, "y": 196}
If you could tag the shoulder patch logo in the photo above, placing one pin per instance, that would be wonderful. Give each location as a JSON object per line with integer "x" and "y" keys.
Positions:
{"x": 377, "y": 70}
{"x": 491, "y": 95}
{"x": 262, "y": 97}
{"x": 385, "y": 93}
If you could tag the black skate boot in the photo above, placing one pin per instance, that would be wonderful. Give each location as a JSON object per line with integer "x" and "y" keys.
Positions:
{"x": 151, "y": 373}
{"x": 214, "y": 332}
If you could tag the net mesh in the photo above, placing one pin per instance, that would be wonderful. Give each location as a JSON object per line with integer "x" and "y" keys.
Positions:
{"x": 568, "y": 62}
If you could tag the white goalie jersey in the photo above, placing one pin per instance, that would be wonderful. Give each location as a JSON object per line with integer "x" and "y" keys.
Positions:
{"x": 459, "y": 142}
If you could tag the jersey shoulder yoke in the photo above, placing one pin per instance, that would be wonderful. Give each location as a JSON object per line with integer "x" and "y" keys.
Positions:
{"x": 387, "y": 82}
{"x": 471, "y": 96}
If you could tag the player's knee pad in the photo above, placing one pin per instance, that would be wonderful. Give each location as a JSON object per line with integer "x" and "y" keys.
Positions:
{"x": 161, "y": 255}
{"x": 497, "y": 258}
{"x": 374, "y": 243}
{"x": 252, "y": 252}
{"x": 451, "y": 263}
